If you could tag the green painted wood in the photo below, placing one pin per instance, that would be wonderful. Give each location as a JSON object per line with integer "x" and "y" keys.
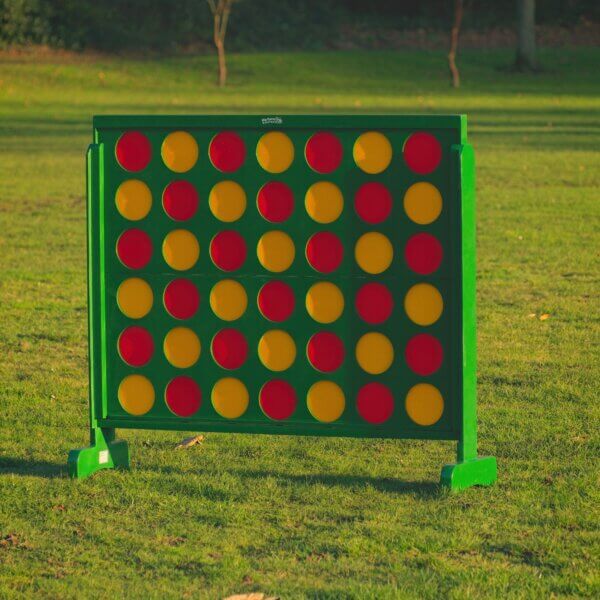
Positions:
{"x": 104, "y": 452}
{"x": 467, "y": 447}
{"x": 456, "y": 123}
{"x": 455, "y": 279}
{"x": 468, "y": 470}
{"x": 476, "y": 471}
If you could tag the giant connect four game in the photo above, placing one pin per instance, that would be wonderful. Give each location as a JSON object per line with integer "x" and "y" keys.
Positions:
{"x": 309, "y": 275}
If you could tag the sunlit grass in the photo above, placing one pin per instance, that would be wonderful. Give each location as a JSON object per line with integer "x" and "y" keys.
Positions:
{"x": 294, "y": 516}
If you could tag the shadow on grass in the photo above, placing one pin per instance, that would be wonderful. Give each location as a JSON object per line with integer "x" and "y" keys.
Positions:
{"x": 419, "y": 489}
{"x": 528, "y": 127}
{"x": 31, "y": 467}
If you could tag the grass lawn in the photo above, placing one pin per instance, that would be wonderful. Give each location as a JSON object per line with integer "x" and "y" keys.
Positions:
{"x": 305, "y": 517}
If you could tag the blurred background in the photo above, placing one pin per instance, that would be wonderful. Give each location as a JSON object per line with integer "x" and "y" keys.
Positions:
{"x": 158, "y": 25}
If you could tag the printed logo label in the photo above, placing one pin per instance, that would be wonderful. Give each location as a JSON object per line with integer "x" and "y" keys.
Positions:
{"x": 271, "y": 120}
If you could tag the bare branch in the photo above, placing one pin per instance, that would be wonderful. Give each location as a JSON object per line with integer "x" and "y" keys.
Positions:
{"x": 225, "y": 19}
{"x": 216, "y": 29}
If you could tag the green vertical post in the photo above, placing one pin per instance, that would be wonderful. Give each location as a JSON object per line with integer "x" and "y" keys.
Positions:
{"x": 469, "y": 469}
{"x": 104, "y": 451}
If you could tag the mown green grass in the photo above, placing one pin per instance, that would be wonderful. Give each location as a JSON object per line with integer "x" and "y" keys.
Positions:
{"x": 306, "y": 517}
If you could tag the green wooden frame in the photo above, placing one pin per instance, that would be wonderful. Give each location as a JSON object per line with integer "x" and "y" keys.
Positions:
{"x": 106, "y": 452}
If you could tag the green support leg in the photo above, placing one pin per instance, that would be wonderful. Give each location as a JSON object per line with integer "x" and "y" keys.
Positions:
{"x": 104, "y": 452}
{"x": 469, "y": 469}
{"x": 476, "y": 471}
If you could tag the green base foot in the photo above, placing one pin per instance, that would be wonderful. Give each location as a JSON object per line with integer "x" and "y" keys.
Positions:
{"x": 105, "y": 452}
{"x": 477, "y": 471}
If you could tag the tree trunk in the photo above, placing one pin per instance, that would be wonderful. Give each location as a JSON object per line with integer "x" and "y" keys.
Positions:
{"x": 220, "y": 13}
{"x": 222, "y": 63}
{"x": 458, "y": 15}
{"x": 526, "y": 59}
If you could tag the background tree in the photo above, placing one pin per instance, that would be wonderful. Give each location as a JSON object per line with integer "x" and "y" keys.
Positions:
{"x": 220, "y": 10}
{"x": 526, "y": 59}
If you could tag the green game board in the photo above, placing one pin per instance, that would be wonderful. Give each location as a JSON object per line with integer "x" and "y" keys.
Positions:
{"x": 310, "y": 275}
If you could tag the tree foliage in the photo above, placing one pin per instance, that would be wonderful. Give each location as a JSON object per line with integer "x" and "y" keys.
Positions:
{"x": 269, "y": 24}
